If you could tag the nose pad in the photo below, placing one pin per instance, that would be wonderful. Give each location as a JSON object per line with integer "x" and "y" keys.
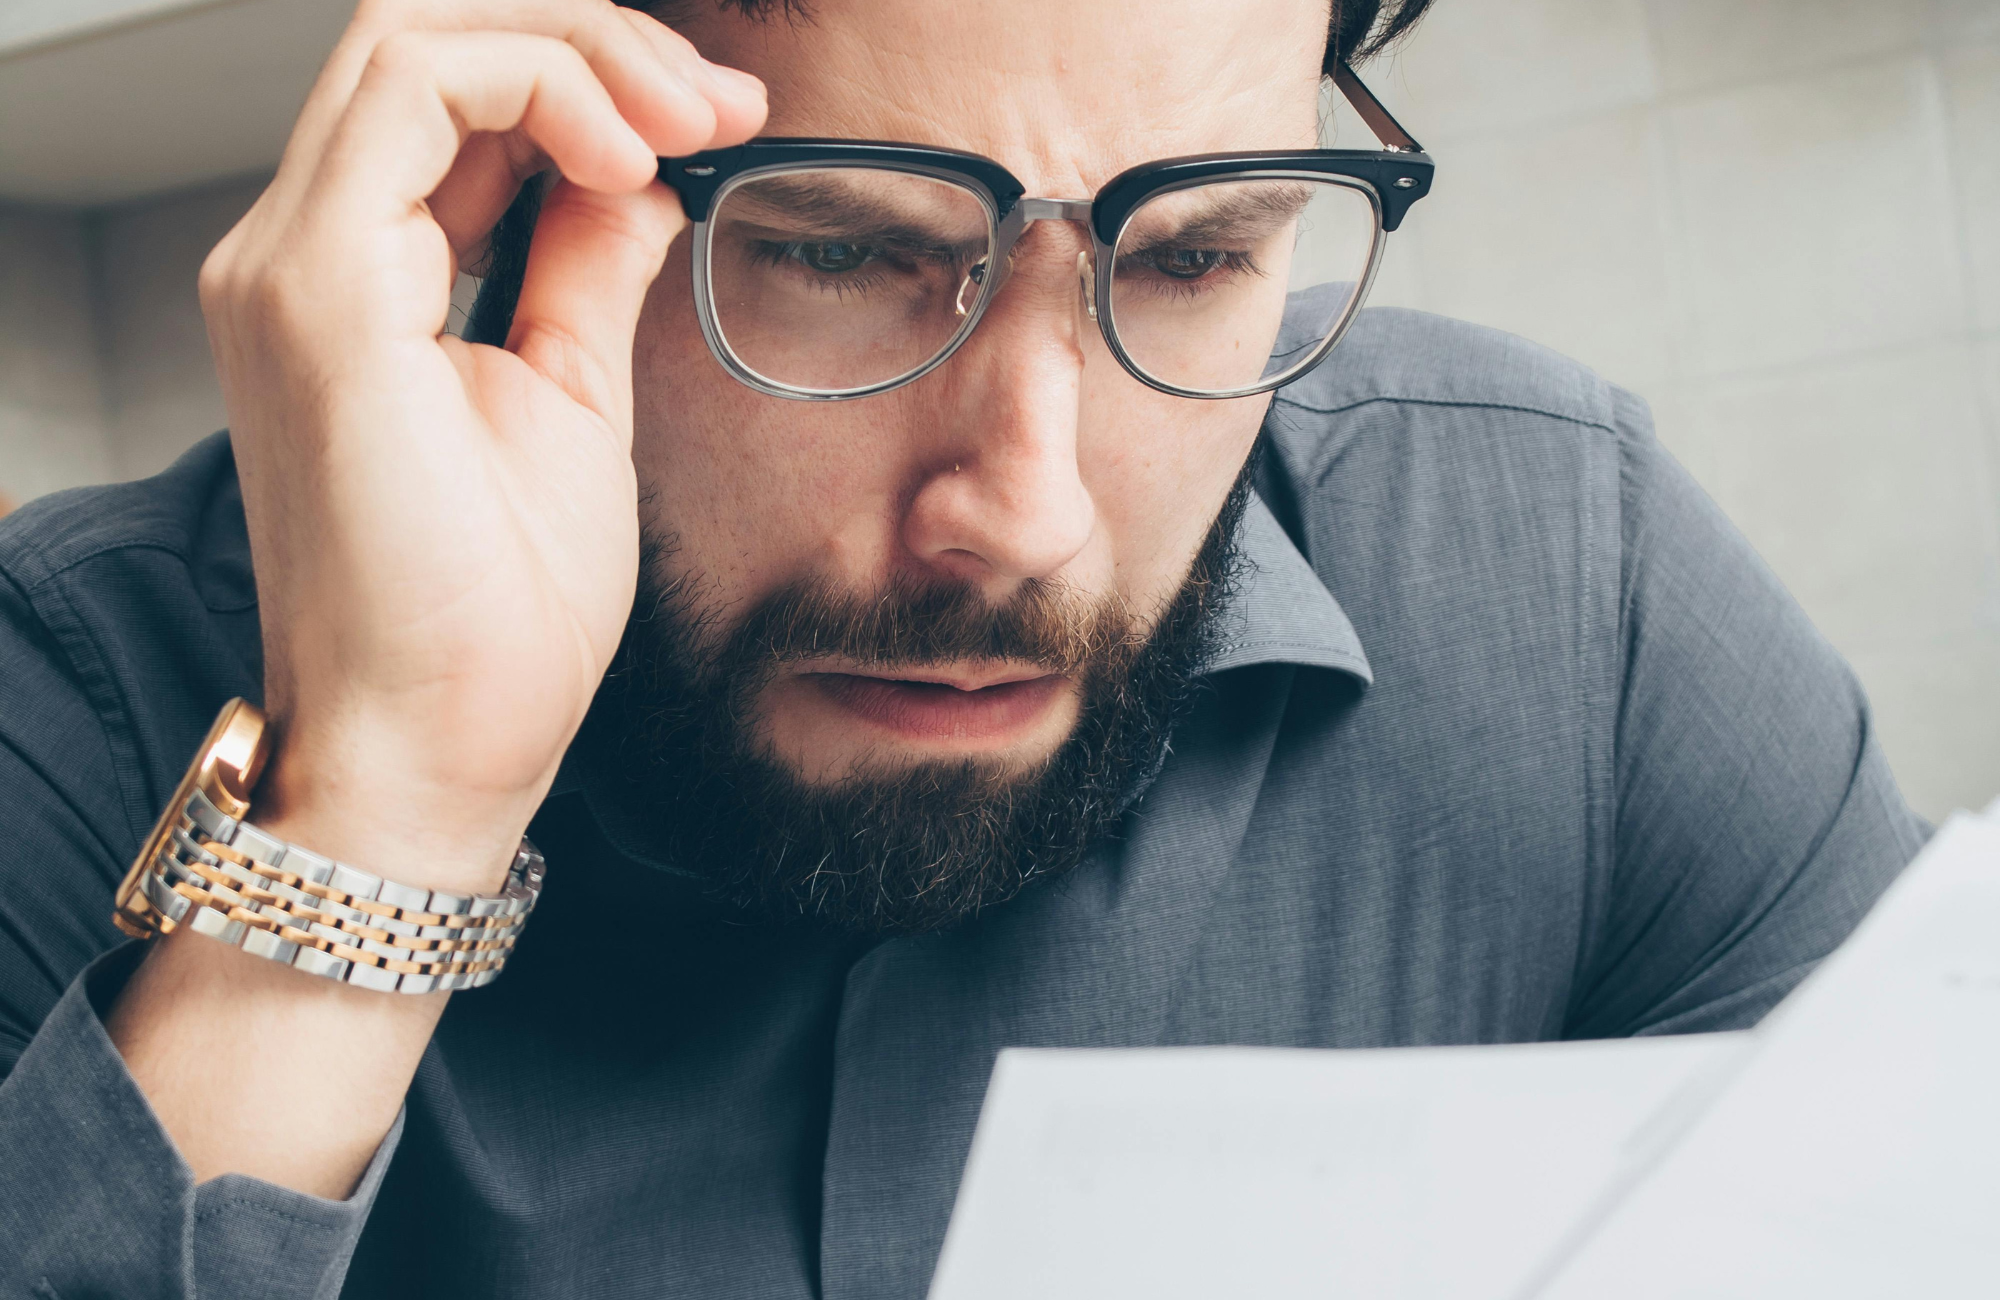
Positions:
{"x": 968, "y": 288}
{"x": 1086, "y": 278}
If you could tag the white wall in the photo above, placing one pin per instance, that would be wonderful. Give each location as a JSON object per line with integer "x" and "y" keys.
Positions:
{"x": 104, "y": 366}
{"x": 1778, "y": 221}
{"x": 51, "y": 399}
{"x": 159, "y": 386}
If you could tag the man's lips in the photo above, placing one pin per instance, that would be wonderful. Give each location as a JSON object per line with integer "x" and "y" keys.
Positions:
{"x": 958, "y": 676}
{"x": 960, "y": 704}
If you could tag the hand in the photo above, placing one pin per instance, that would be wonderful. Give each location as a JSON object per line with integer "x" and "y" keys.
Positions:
{"x": 445, "y": 535}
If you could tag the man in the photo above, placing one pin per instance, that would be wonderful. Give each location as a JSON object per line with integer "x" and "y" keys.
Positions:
{"x": 885, "y": 625}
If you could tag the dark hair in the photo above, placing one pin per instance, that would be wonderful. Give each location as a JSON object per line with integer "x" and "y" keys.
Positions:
{"x": 1362, "y": 29}
{"x": 1356, "y": 30}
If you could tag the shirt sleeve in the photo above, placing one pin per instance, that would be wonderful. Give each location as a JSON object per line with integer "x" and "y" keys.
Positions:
{"x": 1757, "y": 819}
{"x": 95, "y": 1200}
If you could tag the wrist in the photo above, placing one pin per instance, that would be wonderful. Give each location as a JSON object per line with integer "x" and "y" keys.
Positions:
{"x": 372, "y": 809}
{"x": 256, "y": 886}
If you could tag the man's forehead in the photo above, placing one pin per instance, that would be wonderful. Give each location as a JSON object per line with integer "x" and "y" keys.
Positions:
{"x": 1066, "y": 93}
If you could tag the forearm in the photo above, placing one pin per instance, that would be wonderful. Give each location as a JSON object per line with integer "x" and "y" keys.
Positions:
{"x": 96, "y": 1200}
{"x": 211, "y": 1031}
{"x": 212, "y": 1035}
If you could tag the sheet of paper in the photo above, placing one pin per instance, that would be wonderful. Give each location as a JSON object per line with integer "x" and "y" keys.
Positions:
{"x": 1404, "y": 1174}
{"x": 1857, "y": 1151}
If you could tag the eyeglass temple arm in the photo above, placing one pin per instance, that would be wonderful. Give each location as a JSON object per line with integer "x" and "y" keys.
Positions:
{"x": 1386, "y": 128}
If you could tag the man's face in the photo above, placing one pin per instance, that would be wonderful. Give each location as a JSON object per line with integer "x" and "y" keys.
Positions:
{"x": 1031, "y": 455}
{"x": 1030, "y": 473}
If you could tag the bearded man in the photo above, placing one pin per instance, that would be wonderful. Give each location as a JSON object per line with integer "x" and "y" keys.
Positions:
{"x": 934, "y": 561}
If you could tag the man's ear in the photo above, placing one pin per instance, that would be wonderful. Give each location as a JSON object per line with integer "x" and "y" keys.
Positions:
{"x": 503, "y": 266}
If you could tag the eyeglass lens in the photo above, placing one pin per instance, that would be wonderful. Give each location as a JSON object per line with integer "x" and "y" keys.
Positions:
{"x": 841, "y": 278}
{"x": 1230, "y": 284}
{"x": 844, "y": 277}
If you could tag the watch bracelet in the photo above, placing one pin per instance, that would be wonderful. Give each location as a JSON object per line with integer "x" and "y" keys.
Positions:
{"x": 200, "y": 874}
{"x": 255, "y": 919}
{"x": 228, "y": 879}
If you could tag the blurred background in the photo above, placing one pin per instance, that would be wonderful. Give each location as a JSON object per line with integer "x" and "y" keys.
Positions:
{"x": 1776, "y": 220}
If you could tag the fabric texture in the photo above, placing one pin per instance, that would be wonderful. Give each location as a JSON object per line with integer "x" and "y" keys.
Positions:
{"x": 1514, "y": 739}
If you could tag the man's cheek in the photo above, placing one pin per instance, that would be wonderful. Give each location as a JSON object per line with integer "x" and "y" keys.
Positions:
{"x": 1159, "y": 474}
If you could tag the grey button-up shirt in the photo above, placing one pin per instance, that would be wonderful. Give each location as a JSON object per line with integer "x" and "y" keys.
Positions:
{"x": 1515, "y": 739}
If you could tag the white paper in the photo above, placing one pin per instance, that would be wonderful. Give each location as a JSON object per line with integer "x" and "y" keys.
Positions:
{"x": 1404, "y": 1174}
{"x": 1848, "y": 1148}
{"x": 1857, "y": 1151}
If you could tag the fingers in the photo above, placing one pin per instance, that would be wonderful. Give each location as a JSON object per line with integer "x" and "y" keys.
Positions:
{"x": 421, "y": 129}
{"x": 483, "y": 180}
{"x": 424, "y": 93}
{"x": 593, "y": 258}
{"x": 737, "y": 98}
{"x": 666, "y": 94}
{"x": 490, "y": 168}
{"x": 627, "y": 50}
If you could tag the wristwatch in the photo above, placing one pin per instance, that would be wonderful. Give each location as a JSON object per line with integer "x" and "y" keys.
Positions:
{"x": 207, "y": 868}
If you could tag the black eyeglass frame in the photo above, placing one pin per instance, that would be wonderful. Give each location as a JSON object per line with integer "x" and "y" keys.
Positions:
{"x": 1391, "y": 178}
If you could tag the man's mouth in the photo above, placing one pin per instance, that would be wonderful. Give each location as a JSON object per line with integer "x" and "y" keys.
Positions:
{"x": 995, "y": 704}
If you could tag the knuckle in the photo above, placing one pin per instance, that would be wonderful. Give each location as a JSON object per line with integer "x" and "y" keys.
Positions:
{"x": 640, "y": 25}
{"x": 401, "y": 54}
{"x": 375, "y": 19}
{"x": 252, "y": 297}
{"x": 220, "y": 279}
{"x": 679, "y": 44}
{"x": 557, "y": 66}
{"x": 259, "y": 299}
{"x": 574, "y": 62}
{"x": 379, "y": 12}
{"x": 216, "y": 280}
{"x": 607, "y": 11}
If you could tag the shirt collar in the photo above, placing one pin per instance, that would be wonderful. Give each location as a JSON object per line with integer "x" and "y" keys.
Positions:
{"x": 1280, "y": 611}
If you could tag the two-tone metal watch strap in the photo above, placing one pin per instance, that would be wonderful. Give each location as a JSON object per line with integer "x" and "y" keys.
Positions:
{"x": 232, "y": 881}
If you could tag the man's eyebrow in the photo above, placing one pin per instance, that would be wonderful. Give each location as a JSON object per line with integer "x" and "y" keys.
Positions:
{"x": 806, "y": 207}
{"x": 1237, "y": 211}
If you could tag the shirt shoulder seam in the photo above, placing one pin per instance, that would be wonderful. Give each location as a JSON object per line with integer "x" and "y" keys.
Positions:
{"x": 45, "y": 568}
{"x": 42, "y": 572}
{"x": 1568, "y": 417}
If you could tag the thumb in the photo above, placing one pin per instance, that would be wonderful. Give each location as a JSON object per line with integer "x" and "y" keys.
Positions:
{"x": 593, "y": 257}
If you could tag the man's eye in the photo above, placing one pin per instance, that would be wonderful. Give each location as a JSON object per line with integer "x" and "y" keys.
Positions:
{"x": 1188, "y": 263}
{"x": 833, "y": 258}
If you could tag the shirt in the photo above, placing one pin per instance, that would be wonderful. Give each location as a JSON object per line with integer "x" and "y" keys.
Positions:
{"x": 1513, "y": 738}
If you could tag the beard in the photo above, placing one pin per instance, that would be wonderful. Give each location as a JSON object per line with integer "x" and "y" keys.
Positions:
{"x": 898, "y": 849}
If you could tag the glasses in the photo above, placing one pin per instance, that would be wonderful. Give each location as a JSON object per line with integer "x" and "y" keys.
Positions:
{"x": 833, "y": 269}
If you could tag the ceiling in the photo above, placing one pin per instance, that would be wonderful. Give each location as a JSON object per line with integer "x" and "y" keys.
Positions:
{"x": 103, "y": 101}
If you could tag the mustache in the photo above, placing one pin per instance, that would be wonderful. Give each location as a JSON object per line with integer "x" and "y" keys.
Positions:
{"x": 673, "y": 736}
{"x": 1045, "y": 622}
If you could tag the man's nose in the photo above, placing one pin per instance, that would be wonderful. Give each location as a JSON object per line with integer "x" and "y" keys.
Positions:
{"x": 1002, "y": 499}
